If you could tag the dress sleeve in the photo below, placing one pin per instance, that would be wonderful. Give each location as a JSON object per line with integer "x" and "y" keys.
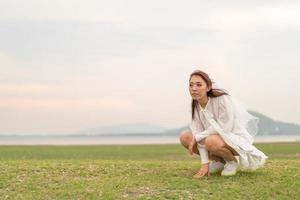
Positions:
{"x": 203, "y": 153}
{"x": 225, "y": 118}
{"x": 198, "y": 129}
{"x": 200, "y": 135}
{"x": 195, "y": 126}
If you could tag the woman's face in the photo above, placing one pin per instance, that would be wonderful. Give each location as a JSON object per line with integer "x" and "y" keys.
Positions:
{"x": 198, "y": 88}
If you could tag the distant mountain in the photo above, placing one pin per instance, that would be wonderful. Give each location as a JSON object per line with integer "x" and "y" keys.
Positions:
{"x": 266, "y": 126}
{"x": 124, "y": 129}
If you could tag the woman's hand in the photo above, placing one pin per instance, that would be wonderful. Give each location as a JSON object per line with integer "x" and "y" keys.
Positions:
{"x": 203, "y": 171}
{"x": 191, "y": 145}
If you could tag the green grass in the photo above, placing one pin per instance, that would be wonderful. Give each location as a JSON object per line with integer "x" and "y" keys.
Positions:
{"x": 139, "y": 172}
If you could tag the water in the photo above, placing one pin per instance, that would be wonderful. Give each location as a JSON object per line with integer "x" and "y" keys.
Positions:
{"x": 86, "y": 140}
{"x": 104, "y": 140}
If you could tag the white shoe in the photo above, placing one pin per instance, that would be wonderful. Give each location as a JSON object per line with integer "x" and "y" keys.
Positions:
{"x": 215, "y": 166}
{"x": 230, "y": 168}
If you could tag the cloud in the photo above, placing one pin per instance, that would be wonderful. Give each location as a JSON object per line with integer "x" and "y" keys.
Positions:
{"x": 45, "y": 10}
{"x": 55, "y": 109}
{"x": 68, "y": 64}
{"x": 59, "y": 104}
{"x": 70, "y": 95}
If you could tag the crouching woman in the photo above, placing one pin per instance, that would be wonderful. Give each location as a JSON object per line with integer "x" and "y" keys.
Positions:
{"x": 222, "y": 130}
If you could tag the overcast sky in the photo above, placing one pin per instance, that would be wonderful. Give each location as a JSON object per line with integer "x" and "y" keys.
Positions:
{"x": 73, "y": 65}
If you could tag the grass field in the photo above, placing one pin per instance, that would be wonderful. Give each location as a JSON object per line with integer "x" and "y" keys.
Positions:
{"x": 140, "y": 172}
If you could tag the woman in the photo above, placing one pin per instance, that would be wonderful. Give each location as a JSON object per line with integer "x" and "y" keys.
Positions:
{"x": 221, "y": 130}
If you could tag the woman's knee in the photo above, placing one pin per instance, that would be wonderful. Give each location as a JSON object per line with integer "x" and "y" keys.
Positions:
{"x": 185, "y": 137}
{"x": 214, "y": 142}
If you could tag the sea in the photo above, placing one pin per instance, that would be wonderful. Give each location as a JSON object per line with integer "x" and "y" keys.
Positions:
{"x": 118, "y": 139}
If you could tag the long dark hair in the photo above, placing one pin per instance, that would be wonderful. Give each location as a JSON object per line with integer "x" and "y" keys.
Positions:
{"x": 211, "y": 93}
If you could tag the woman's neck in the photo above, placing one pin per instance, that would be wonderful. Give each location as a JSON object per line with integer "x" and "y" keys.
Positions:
{"x": 203, "y": 101}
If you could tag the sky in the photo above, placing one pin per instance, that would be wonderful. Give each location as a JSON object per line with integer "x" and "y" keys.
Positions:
{"x": 67, "y": 66}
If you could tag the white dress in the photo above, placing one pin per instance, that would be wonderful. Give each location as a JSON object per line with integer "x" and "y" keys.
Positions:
{"x": 221, "y": 116}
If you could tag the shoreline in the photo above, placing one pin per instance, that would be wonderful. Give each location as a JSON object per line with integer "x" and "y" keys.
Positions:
{"x": 117, "y": 140}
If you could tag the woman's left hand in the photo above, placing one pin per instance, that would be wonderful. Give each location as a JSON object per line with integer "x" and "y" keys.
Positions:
{"x": 191, "y": 145}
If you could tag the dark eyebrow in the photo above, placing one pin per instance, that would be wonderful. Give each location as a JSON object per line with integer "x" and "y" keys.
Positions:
{"x": 195, "y": 82}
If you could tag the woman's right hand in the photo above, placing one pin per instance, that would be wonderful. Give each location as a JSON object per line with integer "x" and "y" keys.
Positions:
{"x": 191, "y": 145}
{"x": 202, "y": 171}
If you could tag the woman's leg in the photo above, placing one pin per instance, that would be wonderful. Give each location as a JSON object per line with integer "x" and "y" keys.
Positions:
{"x": 185, "y": 139}
{"x": 215, "y": 158}
{"x": 216, "y": 145}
